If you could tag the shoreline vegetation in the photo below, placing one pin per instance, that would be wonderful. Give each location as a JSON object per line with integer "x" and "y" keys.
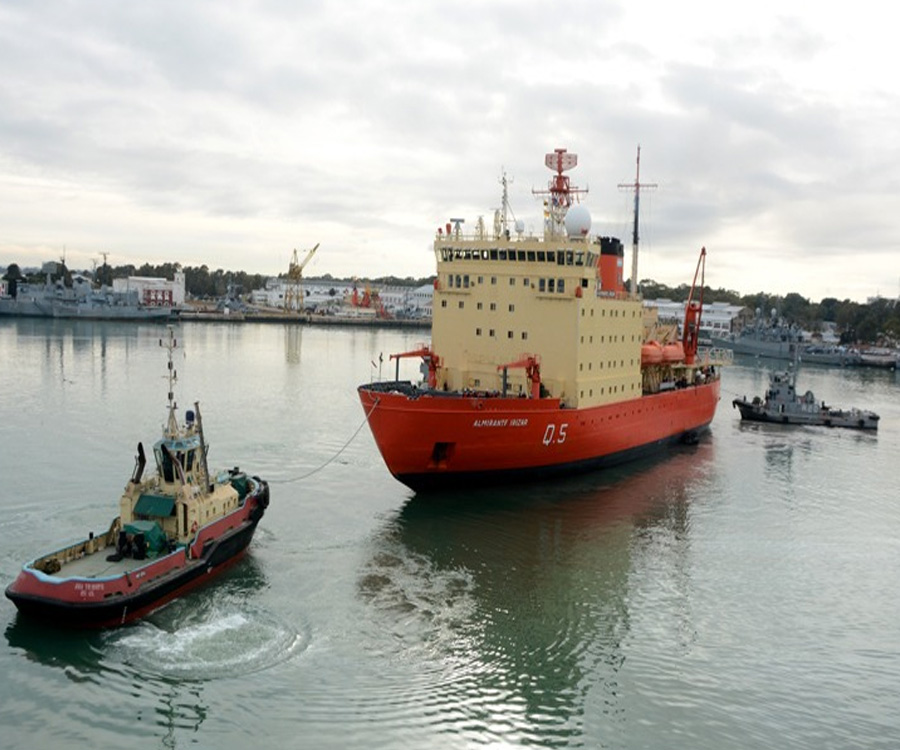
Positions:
{"x": 876, "y": 321}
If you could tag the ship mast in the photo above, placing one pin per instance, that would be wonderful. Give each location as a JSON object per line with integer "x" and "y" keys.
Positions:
{"x": 559, "y": 190}
{"x": 637, "y": 185}
{"x": 171, "y": 430}
{"x": 501, "y": 215}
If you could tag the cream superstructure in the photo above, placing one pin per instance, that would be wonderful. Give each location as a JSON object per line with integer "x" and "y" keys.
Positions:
{"x": 498, "y": 299}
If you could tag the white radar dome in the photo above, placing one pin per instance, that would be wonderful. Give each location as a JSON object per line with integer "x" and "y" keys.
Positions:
{"x": 578, "y": 221}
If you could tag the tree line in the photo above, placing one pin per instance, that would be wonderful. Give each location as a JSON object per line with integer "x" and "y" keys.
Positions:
{"x": 877, "y": 321}
{"x": 199, "y": 282}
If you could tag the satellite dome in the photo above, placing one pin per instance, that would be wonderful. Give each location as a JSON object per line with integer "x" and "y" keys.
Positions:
{"x": 578, "y": 221}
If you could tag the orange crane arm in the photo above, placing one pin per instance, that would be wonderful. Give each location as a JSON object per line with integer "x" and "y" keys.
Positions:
{"x": 532, "y": 366}
{"x": 430, "y": 358}
{"x": 693, "y": 311}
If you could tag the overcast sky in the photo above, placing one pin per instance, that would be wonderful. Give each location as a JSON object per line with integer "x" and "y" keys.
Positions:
{"x": 230, "y": 133}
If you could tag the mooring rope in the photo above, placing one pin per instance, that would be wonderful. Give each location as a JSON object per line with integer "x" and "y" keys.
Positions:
{"x": 334, "y": 457}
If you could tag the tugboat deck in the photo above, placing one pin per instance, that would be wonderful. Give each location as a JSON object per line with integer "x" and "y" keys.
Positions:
{"x": 96, "y": 565}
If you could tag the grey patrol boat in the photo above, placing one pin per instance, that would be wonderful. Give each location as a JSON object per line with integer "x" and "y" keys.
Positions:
{"x": 783, "y": 405}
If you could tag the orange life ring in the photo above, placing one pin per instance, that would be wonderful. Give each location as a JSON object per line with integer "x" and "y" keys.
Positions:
{"x": 194, "y": 528}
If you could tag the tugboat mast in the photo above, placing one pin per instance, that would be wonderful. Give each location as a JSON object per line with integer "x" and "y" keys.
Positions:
{"x": 637, "y": 185}
{"x": 171, "y": 430}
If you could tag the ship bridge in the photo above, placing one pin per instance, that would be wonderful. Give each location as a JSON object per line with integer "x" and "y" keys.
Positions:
{"x": 561, "y": 299}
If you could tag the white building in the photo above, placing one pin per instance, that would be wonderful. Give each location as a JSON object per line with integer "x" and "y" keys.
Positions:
{"x": 716, "y": 319}
{"x": 322, "y": 295}
{"x": 154, "y": 291}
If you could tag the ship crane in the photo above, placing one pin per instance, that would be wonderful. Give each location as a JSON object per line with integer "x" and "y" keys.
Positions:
{"x": 432, "y": 361}
{"x": 532, "y": 365}
{"x": 293, "y": 295}
{"x": 693, "y": 311}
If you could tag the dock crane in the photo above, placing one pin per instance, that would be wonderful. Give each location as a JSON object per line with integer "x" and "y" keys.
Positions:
{"x": 293, "y": 293}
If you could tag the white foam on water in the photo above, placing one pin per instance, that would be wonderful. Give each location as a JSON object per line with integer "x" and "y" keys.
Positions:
{"x": 209, "y": 645}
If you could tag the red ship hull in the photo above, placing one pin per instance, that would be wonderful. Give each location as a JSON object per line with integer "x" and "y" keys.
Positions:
{"x": 432, "y": 440}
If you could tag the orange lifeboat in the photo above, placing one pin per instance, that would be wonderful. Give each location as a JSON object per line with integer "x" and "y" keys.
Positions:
{"x": 651, "y": 353}
{"x": 673, "y": 352}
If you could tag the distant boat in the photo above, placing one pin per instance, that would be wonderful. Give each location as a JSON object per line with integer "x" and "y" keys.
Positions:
{"x": 879, "y": 357}
{"x": 175, "y": 530}
{"x": 818, "y": 354}
{"x": 81, "y": 301}
{"x": 774, "y": 339}
{"x": 782, "y": 405}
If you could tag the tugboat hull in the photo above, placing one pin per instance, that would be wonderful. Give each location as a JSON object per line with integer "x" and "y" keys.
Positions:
{"x": 99, "y": 601}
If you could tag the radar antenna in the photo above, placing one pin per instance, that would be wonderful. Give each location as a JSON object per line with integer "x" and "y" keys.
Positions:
{"x": 559, "y": 190}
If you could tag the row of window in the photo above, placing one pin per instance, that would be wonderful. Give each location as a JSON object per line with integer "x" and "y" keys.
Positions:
{"x": 613, "y": 389}
{"x": 560, "y": 257}
{"x": 610, "y": 363}
{"x": 476, "y": 383}
{"x": 461, "y": 281}
{"x": 614, "y": 313}
{"x": 493, "y": 334}
{"x": 612, "y": 339}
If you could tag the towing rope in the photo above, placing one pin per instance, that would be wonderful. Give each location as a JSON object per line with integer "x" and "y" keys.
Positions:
{"x": 334, "y": 457}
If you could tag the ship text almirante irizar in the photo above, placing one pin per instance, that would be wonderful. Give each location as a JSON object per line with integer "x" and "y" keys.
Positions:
{"x": 541, "y": 361}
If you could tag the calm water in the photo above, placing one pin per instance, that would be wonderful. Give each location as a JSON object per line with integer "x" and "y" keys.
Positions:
{"x": 742, "y": 593}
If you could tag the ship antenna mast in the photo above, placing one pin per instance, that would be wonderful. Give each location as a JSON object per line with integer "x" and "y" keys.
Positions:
{"x": 560, "y": 191}
{"x": 636, "y": 186}
{"x": 171, "y": 430}
{"x": 502, "y": 214}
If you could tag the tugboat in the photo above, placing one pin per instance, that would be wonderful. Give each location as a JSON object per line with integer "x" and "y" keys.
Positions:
{"x": 783, "y": 405}
{"x": 175, "y": 530}
{"x": 542, "y": 363}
